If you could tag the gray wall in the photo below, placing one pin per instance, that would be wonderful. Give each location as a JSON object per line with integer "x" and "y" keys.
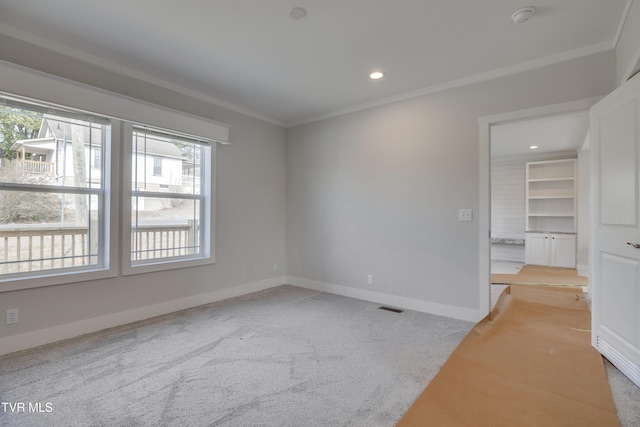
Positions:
{"x": 378, "y": 191}
{"x": 250, "y": 209}
{"x": 373, "y": 192}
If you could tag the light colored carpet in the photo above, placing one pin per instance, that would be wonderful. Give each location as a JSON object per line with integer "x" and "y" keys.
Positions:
{"x": 283, "y": 357}
{"x": 626, "y": 396}
{"x": 541, "y": 275}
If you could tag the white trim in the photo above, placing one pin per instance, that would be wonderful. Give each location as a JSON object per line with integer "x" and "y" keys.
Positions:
{"x": 207, "y": 219}
{"x": 109, "y": 227}
{"x": 476, "y": 78}
{"x": 388, "y": 299}
{"x": 617, "y": 354}
{"x": 633, "y": 68}
{"x": 128, "y": 72}
{"x": 484, "y": 220}
{"x": 622, "y": 23}
{"x": 70, "y": 330}
{"x": 556, "y": 155}
{"x": 36, "y": 85}
{"x": 583, "y": 270}
{"x": 200, "y": 96}
{"x": 484, "y": 210}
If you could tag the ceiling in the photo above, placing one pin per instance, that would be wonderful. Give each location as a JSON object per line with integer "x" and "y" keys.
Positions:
{"x": 251, "y": 56}
{"x": 562, "y": 133}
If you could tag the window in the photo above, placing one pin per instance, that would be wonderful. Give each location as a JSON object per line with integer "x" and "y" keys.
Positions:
{"x": 97, "y": 159}
{"x": 53, "y": 207}
{"x": 157, "y": 166}
{"x": 68, "y": 214}
{"x": 170, "y": 212}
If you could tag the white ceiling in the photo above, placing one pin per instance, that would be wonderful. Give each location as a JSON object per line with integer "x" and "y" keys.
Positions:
{"x": 561, "y": 133}
{"x": 251, "y": 55}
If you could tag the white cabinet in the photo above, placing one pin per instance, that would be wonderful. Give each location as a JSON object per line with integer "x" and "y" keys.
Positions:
{"x": 551, "y": 249}
{"x": 550, "y": 196}
{"x": 537, "y": 249}
{"x": 551, "y": 208}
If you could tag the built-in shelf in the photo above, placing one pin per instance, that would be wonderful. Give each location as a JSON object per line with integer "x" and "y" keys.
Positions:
{"x": 551, "y": 196}
{"x": 551, "y": 208}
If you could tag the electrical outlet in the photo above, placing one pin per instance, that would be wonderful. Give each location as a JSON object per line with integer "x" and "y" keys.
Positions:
{"x": 370, "y": 279}
{"x": 275, "y": 268}
{"x": 12, "y": 316}
{"x": 465, "y": 215}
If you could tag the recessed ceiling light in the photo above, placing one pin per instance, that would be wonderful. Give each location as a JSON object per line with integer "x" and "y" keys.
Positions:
{"x": 297, "y": 12}
{"x": 376, "y": 75}
{"x": 533, "y": 147}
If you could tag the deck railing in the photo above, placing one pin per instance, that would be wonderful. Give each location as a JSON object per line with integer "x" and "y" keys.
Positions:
{"x": 35, "y": 166}
{"x": 35, "y": 248}
{"x": 161, "y": 241}
{"x": 42, "y": 248}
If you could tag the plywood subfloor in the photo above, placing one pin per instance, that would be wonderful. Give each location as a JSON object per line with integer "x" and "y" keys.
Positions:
{"x": 542, "y": 275}
{"x": 529, "y": 363}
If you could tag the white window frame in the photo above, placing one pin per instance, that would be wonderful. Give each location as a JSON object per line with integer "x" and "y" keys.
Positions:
{"x": 55, "y": 91}
{"x": 206, "y": 254}
{"x": 108, "y": 196}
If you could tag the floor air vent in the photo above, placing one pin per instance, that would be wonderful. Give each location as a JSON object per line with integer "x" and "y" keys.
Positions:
{"x": 395, "y": 310}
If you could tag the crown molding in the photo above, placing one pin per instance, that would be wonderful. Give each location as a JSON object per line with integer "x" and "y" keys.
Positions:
{"x": 476, "y": 78}
{"x": 622, "y": 23}
{"x": 428, "y": 90}
{"x": 116, "y": 68}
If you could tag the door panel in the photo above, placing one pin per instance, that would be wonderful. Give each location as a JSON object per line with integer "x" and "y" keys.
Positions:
{"x": 615, "y": 271}
{"x": 620, "y": 274}
{"x": 618, "y": 188}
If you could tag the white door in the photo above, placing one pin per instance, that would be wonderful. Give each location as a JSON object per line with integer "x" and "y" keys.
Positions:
{"x": 615, "y": 133}
{"x": 563, "y": 250}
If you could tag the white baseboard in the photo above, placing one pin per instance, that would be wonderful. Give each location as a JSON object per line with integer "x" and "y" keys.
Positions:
{"x": 40, "y": 337}
{"x": 583, "y": 270}
{"x": 388, "y": 299}
{"x": 69, "y": 330}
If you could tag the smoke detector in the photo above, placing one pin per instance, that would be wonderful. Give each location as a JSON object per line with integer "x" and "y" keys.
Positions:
{"x": 521, "y": 16}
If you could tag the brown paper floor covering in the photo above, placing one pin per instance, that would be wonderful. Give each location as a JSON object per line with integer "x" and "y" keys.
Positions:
{"x": 529, "y": 363}
{"x": 541, "y": 275}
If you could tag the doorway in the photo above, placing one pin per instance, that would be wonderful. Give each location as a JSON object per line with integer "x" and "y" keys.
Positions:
{"x": 559, "y": 132}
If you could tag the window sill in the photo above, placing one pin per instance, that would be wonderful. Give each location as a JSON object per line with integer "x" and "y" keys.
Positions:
{"x": 164, "y": 265}
{"x": 53, "y": 278}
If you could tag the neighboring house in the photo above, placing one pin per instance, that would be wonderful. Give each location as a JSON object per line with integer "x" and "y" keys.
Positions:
{"x": 160, "y": 164}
